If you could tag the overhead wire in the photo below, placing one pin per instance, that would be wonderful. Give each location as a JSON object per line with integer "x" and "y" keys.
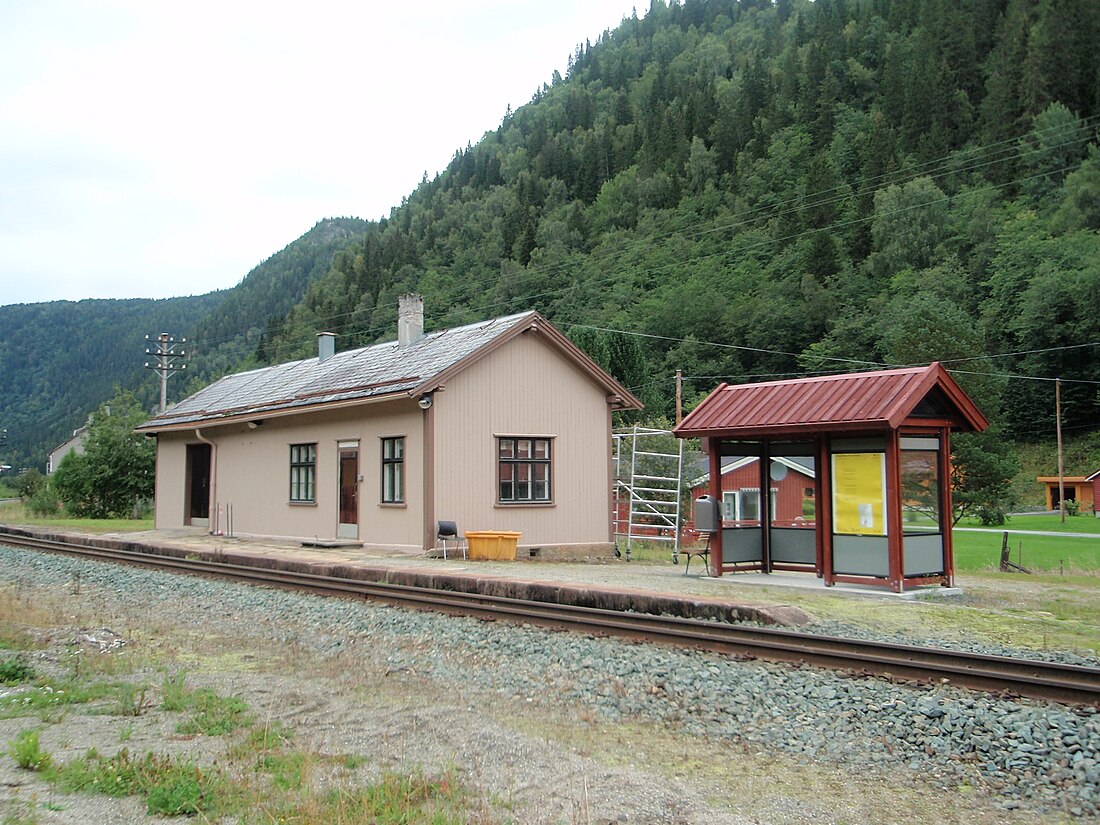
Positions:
{"x": 943, "y": 163}
{"x": 745, "y": 218}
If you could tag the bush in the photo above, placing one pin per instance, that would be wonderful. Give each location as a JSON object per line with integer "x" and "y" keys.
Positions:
{"x": 116, "y": 468}
{"x": 44, "y": 502}
{"x": 29, "y": 483}
{"x": 14, "y": 671}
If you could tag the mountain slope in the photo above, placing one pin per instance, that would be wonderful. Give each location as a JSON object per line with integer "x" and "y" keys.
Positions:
{"x": 228, "y": 335}
{"x": 59, "y": 361}
{"x": 810, "y": 186}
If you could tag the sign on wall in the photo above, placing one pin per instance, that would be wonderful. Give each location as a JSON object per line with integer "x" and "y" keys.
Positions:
{"x": 859, "y": 494}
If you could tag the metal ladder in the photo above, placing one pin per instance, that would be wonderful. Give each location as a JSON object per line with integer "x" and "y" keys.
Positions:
{"x": 650, "y": 493}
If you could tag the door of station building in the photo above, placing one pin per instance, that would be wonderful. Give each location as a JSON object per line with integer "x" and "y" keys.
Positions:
{"x": 196, "y": 506}
{"x": 349, "y": 490}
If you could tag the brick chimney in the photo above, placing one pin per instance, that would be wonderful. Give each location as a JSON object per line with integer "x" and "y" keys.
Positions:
{"x": 410, "y": 319}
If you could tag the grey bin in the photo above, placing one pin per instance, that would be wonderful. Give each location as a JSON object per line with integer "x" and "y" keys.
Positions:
{"x": 706, "y": 514}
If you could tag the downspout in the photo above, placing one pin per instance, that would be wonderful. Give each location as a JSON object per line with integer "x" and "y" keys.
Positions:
{"x": 212, "y": 503}
{"x": 428, "y": 422}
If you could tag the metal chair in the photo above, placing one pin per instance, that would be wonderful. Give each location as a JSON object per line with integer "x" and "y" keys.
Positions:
{"x": 448, "y": 532}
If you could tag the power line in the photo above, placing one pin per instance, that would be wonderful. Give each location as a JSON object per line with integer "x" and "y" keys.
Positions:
{"x": 1021, "y": 352}
{"x": 745, "y": 219}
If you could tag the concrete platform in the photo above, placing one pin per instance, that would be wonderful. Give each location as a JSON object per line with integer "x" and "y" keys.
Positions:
{"x": 809, "y": 581}
{"x": 649, "y": 587}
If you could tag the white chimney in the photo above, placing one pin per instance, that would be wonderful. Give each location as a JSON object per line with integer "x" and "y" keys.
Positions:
{"x": 410, "y": 319}
{"x": 326, "y": 345}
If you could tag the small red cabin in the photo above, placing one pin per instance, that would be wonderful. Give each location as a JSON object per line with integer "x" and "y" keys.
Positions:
{"x": 791, "y": 489}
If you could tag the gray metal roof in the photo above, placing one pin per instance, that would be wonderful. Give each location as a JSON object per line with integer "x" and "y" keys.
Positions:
{"x": 381, "y": 369}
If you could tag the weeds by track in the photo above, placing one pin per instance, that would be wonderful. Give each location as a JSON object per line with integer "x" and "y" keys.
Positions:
{"x": 996, "y": 674}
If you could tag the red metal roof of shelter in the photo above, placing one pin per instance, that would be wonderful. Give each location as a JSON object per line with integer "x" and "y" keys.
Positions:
{"x": 862, "y": 401}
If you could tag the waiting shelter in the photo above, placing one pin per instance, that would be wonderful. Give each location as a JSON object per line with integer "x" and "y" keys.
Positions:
{"x": 877, "y": 445}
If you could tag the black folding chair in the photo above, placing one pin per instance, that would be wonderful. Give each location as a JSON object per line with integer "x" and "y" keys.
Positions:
{"x": 448, "y": 532}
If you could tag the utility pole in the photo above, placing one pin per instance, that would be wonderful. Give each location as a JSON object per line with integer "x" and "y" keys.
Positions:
{"x": 167, "y": 361}
{"x": 1058, "y": 429}
{"x": 679, "y": 396}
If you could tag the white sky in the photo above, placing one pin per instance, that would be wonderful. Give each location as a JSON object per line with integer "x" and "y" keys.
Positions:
{"x": 153, "y": 149}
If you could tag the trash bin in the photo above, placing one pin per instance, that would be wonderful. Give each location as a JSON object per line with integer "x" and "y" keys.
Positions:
{"x": 492, "y": 544}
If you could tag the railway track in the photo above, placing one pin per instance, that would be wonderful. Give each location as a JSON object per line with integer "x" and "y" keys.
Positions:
{"x": 1072, "y": 684}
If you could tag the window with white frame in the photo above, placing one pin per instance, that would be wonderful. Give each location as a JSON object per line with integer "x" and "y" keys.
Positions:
{"x": 744, "y": 504}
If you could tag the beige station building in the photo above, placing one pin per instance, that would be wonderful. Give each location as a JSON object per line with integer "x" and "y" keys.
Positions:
{"x": 499, "y": 425}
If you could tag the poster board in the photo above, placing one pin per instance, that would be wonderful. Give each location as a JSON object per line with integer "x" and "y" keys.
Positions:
{"x": 859, "y": 494}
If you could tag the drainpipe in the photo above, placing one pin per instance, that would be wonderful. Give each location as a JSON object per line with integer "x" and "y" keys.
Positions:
{"x": 212, "y": 504}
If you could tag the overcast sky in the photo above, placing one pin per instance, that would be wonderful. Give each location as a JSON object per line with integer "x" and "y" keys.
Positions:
{"x": 152, "y": 149}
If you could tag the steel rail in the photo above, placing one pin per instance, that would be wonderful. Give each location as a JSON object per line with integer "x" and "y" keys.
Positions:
{"x": 1073, "y": 684}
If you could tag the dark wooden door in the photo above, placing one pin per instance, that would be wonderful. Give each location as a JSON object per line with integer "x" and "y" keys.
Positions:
{"x": 349, "y": 486}
{"x": 198, "y": 482}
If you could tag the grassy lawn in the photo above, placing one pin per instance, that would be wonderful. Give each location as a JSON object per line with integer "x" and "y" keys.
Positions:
{"x": 1053, "y": 524}
{"x": 14, "y": 512}
{"x": 982, "y": 551}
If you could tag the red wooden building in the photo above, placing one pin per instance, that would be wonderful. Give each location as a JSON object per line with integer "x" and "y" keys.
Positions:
{"x": 878, "y": 446}
{"x": 791, "y": 490}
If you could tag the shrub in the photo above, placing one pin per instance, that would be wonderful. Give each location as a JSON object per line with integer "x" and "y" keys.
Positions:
{"x": 44, "y": 502}
{"x": 14, "y": 671}
{"x": 29, "y": 483}
{"x": 24, "y": 749}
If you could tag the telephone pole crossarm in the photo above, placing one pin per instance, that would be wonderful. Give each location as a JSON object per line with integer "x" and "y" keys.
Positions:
{"x": 170, "y": 358}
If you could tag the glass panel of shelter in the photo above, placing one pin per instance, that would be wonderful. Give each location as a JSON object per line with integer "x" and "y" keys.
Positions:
{"x": 791, "y": 540}
{"x": 922, "y": 519}
{"x": 792, "y": 527}
{"x": 742, "y": 539}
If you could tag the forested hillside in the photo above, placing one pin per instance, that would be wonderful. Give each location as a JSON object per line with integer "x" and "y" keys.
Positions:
{"x": 239, "y": 324}
{"x": 59, "y": 361}
{"x": 741, "y": 190}
{"x": 763, "y": 189}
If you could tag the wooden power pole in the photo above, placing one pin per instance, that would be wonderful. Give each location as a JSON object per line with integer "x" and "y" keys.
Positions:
{"x": 167, "y": 361}
{"x": 679, "y": 396}
{"x": 1058, "y": 430}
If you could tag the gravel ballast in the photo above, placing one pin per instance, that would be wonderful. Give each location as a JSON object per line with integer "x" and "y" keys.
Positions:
{"x": 1025, "y": 755}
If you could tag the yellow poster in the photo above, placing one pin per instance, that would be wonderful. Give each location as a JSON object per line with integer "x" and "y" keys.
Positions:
{"x": 859, "y": 494}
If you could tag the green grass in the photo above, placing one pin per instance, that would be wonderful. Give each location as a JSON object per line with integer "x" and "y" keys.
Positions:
{"x": 15, "y": 512}
{"x": 25, "y": 750}
{"x": 1051, "y": 524}
{"x": 982, "y": 551}
{"x": 172, "y": 786}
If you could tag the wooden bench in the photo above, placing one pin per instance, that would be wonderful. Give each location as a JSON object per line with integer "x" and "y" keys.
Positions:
{"x": 698, "y": 552}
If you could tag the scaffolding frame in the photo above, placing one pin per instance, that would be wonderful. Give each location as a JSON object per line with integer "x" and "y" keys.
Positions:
{"x": 648, "y": 468}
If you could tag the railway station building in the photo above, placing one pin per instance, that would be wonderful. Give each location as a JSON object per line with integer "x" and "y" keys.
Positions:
{"x": 499, "y": 425}
{"x": 874, "y": 451}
